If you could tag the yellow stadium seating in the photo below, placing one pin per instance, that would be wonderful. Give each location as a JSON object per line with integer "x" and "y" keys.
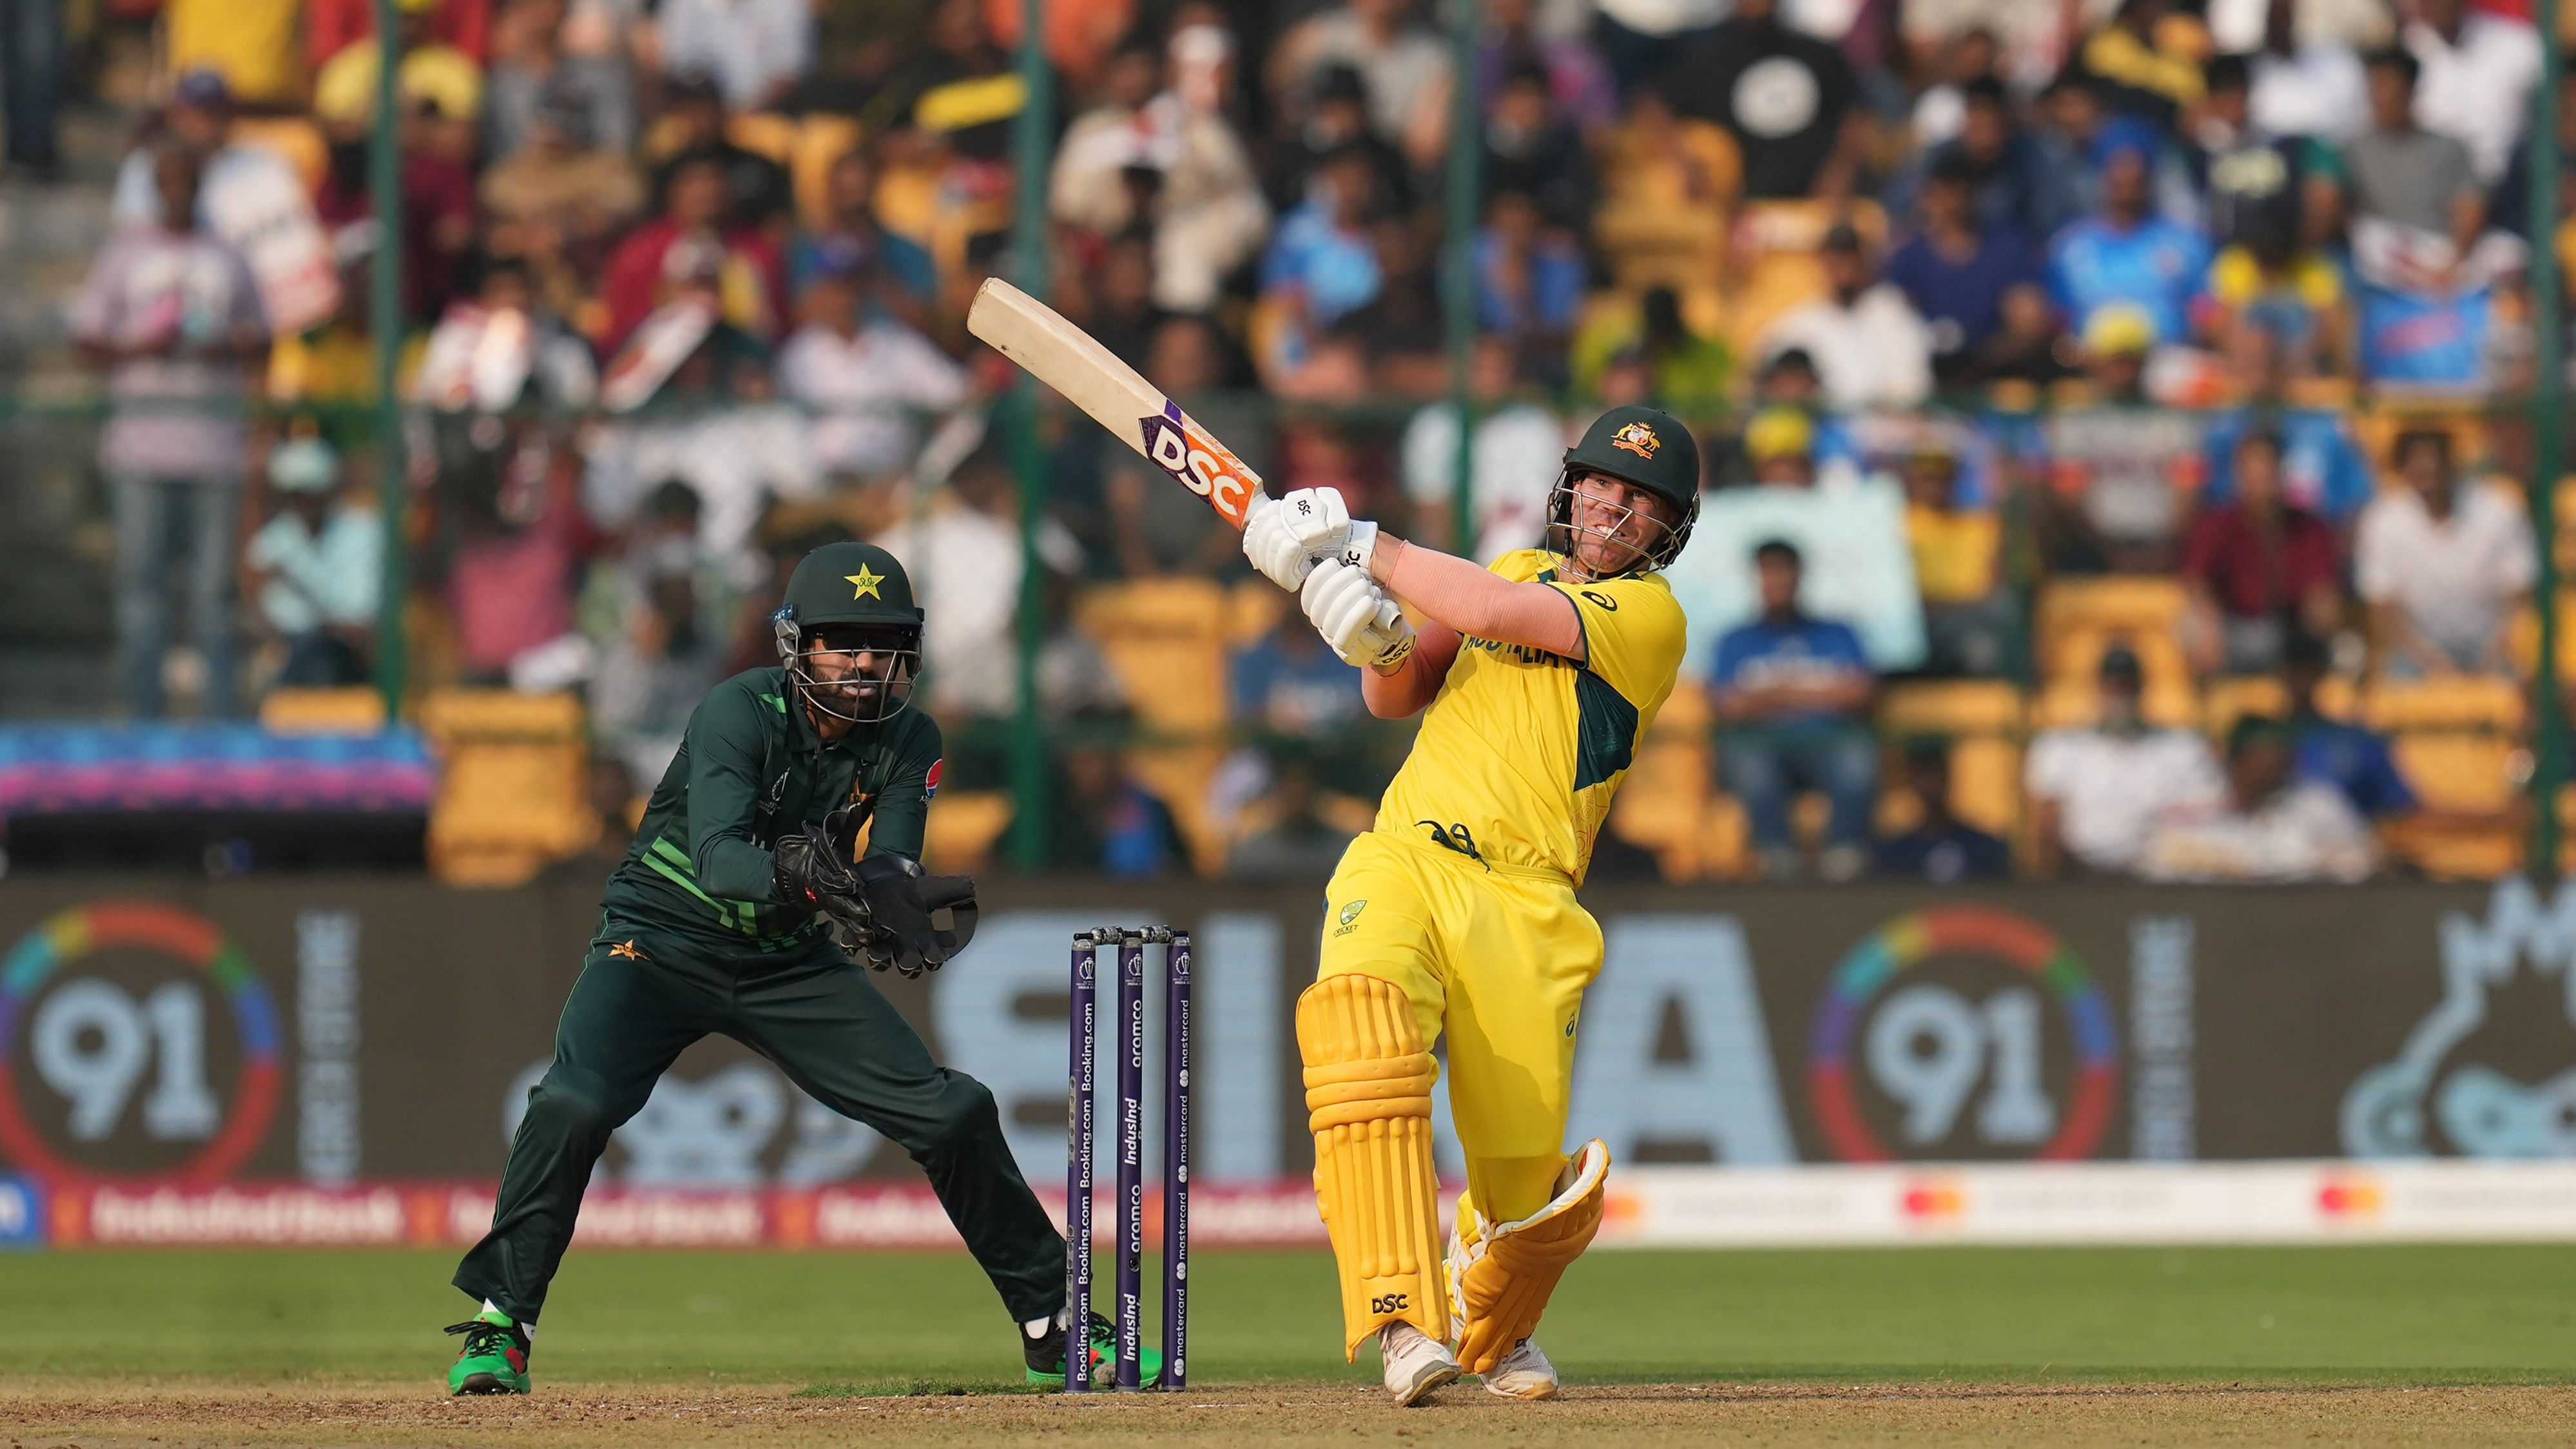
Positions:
{"x": 2458, "y": 702}
{"x": 512, "y": 792}
{"x": 963, "y": 829}
{"x": 821, "y": 140}
{"x": 2079, "y": 619}
{"x": 1166, "y": 639}
{"x": 2228, "y": 698}
{"x": 357, "y": 710}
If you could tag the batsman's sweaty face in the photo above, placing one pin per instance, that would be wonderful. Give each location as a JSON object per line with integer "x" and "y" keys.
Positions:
{"x": 1616, "y": 524}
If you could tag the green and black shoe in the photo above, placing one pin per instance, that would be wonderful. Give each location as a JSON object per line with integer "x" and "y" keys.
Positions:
{"x": 495, "y": 1360}
{"x": 1045, "y": 1356}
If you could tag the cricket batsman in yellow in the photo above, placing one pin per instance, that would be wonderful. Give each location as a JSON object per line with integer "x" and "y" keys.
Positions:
{"x": 1455, "y": 915}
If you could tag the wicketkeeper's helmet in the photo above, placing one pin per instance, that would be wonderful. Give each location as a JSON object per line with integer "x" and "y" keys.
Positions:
{"x": 851, "y": 598}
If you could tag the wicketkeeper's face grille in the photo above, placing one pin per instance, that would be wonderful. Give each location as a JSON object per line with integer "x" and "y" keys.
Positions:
{"x": 861, "y": 677}
{"x": 1606, "y": 528}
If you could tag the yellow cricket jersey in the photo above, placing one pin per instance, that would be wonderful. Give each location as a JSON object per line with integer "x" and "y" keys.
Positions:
{"x": 1521, "y": 751}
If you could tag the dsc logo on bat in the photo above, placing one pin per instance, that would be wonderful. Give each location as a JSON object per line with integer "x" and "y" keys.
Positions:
{"x": 1199, "y": 463}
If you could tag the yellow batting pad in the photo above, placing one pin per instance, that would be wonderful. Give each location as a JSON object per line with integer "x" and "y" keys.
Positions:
{"x": 1368, "y": 1101}
{"x": 1501, "y": 1274}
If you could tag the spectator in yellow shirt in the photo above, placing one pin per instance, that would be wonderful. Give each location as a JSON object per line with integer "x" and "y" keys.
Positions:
{"x": 1967, "y": 615}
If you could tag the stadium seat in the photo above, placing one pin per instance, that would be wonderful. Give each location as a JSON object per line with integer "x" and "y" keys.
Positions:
{"x": 1775, "y": 245}
{"x": 1166, "y": 638}
{"x": 2079, "y": 619}
{"x": 512, "y": 787}
{"x": 357, "y": 710}
{"x": 1662, "y": 806}
{"x": 1985, "y": 721}
{"x": 2376, "y": 429}
{"x": 963, "y": 830}
{"x": 821, "y": 140}
{"x": 2467, "y": 702}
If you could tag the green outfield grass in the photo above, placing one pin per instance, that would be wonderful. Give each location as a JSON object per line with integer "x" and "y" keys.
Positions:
{"x": 2362, "y": 1315}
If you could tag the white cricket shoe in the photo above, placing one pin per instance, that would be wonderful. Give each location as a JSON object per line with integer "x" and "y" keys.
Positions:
{"x": 1415, "y": 1363}
{"x": 1524, "y": 1373}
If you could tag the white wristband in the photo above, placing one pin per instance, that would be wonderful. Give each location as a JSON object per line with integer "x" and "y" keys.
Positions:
{"x": 1362, "y": 544}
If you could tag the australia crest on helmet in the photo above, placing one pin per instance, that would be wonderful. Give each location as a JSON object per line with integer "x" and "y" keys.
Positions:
{"x": 1637, "y": 438}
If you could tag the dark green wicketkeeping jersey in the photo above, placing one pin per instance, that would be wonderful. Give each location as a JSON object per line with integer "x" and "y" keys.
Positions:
{"x": 750, "y": 769}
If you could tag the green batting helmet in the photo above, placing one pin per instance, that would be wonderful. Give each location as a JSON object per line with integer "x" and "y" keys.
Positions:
{"x": 1644, "y": 447}
{"x": 860, "y": 594}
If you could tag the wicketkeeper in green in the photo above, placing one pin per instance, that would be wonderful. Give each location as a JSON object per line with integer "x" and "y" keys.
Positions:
{"x": 739, "y": 911}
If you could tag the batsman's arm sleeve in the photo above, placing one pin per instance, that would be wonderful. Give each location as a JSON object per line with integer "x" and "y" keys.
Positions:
{"x": 903, "y": 807}
{"x": 725, "y": 738}
{"x": 1479, "y": 602}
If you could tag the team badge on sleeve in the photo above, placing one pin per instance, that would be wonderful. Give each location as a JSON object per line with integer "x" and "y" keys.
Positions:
{"x": 930, "y": 782}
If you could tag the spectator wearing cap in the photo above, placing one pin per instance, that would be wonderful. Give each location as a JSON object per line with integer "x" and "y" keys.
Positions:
{"x": 1959, "y": 272}
{"x": 1968, "y": 614}
{"x": 1791, "y": 694}
{"x": 248, "y": 195}
{"x": 533, "y": 79}
{"x": 693, "y": 247}
{"x": 1941, "y": 849}
{"x": 1406, "y": 69}
{"x": 758, "y": 191}
{"x": 2260, "y": 569}
{"x": 753, "y": 50}
{"x": 317, "y": 567}
{"x": 865, "y": 373}
{"x": 1791, "y": 102}
{"x": 2310, "y": 87}
{"x": 1870, "y": 346}
{"x": 2478, "y": 70}
{"x": 172, "y": 313}
{"x": 2098, "y": 792}
{"x": 2124, "y": 252}
{"x": 2444, "y": 565}
{"x": 2122, "y": 474}
{"x": 2268, "y": 825}
{"x": 2351, "y": 757}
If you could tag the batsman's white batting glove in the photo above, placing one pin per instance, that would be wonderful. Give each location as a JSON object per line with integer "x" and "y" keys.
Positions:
{"x": 1284, "y": 537}
{"x": 1355, "y": 616}
{"x": 1272, "y": 545}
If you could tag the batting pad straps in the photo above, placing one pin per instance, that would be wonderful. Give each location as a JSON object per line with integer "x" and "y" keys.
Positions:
{"x": 1368, "y": 1100}
{"x": 1502, "y": 1274}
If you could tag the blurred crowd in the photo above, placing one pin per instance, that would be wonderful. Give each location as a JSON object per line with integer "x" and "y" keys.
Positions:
{"x": 1968, "y": 298}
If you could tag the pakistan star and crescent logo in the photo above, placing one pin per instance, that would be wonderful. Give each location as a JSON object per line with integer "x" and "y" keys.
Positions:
{"x": 1637, "y": 438}
{"x": 625, "y": 951}
{"x": 866, "y": 581}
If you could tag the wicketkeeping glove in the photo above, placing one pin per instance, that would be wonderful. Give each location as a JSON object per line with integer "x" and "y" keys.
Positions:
{"x": 808, "y": 871}
{"x": 905, "y": 939}
{"x": 1355, "y": 616}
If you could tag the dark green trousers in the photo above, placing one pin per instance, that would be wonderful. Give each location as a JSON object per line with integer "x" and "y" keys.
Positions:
{"x": 644, "y": 995}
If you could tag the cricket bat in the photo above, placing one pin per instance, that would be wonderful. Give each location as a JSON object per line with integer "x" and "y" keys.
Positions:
{"x": 1070, "y": 360}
